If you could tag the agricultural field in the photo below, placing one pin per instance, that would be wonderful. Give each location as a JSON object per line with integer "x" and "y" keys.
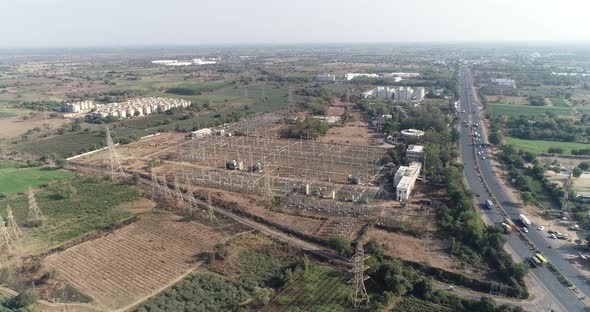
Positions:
{"x": 137, "y": 261}
{"x": 499, "y": 109}
{"x": 70, "y": 209}
{"x": 65, "y": 145}
{"x": 13, "y": 180}
{"x": 541, "y": 147}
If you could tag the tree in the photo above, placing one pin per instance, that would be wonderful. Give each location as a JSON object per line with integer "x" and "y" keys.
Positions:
{"x": 341, "y": 244}
{"x": 527, "y": 197}
{"x": 584, "y": 165}
{"x": 262, "y": 296}
{"x": 61, "y": 162}
{"x": 577, "y": 172}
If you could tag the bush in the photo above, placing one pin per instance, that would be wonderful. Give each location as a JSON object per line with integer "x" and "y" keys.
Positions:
{"x": 24, "y": 299}
{"x": 341, "y": 244}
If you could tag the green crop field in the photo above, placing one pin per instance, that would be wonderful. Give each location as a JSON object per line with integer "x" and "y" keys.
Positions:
{"x": 560, "y": 102}
{"x": 71, "y": 209}
{"x": 540, "y": 146}
{"x": 13, "y": 180}
{"x": 517, "y": 110}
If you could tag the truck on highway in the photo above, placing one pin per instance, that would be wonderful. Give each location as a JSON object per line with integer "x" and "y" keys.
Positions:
{"x": 489, "y": 204}
{"x": 525, "y": 221}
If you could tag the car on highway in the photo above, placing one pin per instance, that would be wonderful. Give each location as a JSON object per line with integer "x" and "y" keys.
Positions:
{"x": 541, "y": 228}
{"x": 524, "y": 229}
{"x": 553, "y": 236}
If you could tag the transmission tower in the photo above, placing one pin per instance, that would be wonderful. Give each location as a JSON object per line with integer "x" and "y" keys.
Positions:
{"x": 210, "y": 207}
{"x": 13, "y": 228}
{"x": 114, "y": 160}
{"x": 5, "y": 238}
{"x": 359, "y": 292}
{"x": 164, "y": 188}
{"x": 268, "y": 195}
{"x": 178, "y": 192}
{"x": 34, "y": 211}
{"x": 567, "y": 184}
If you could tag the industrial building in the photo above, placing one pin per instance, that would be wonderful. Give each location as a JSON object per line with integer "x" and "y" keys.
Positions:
{"x": 399, "y": 93}
{"x": 412, "y": 133}
{"x": 79, "y": 107}
{"x": 350, "y": 76}
{"x": 404, "y": 180}
{"x": 503, "y": 82}
{"x": 199, "y": 61}
{"x": 325, "y": 78}
{"x": 415, "y": 152}
{"x": 138, "y": 107}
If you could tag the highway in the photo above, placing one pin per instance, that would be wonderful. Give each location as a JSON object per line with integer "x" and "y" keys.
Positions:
{"x": 558, "y": 296}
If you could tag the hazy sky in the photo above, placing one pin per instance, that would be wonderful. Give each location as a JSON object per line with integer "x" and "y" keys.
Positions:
{"x": 193, "y": 22}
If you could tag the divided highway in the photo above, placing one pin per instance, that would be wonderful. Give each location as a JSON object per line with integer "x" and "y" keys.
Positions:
{"x": 558, "y": 296}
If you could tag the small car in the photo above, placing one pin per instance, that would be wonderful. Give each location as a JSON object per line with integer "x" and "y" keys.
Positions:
{"x": 524, "y": 229}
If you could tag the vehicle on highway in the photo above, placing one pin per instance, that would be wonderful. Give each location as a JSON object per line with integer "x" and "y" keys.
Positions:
{"x": 525, "y": 221}
{"x": 541, "y": 258}
{"x": 541, "y": 228}
{"x": 524, "y": 229}
{"x": 535, "y": 261}
{"x": 489, "y": 204}
{"x": 553, "y": 236}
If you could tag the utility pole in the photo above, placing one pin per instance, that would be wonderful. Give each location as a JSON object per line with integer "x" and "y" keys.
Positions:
{"x": 114, "y": 160}
{"x": 567, "y": 184}
{"x": 359, "y": 292}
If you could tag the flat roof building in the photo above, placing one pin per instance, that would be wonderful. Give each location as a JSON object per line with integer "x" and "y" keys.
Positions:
{"x": 415, "y": 152}
{"x": 412, "y": 133}
{"x": 404, "y": 180}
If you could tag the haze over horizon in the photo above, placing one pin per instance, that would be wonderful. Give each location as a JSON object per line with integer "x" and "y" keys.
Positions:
{"x": 62, "y": 23}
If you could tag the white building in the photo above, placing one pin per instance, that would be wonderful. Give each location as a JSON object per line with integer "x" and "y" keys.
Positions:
{"x": 503, "y": 82}
{"x": 325, "y": 78}
{"x": 412, "y": 133}
{"x": 393, "y": 93}
{"x": 404, "y": 180}
{"x": 350, "y": 76}
{"x": 138, "y": 107}
{"x": 199, "y": 61}
{"x": 201, "y": 133}
{"x": 79, "y": 107}
{"x": 163, "y": 62}
{"x": 415, "y": 152}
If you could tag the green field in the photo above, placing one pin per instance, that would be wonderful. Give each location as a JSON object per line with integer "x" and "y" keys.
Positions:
{"x": 12, "y": 112}
{"x": 540, "y": 146}
{"x": 66, "y": 145}
{"x": 13, "y": 180}
{"x": 517, "y": 110}
{"x": 560, "y": 102}
{"x": 70, "y": 210}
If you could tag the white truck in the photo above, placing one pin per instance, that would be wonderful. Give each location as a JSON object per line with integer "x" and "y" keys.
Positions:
{"x": 525, "y": 221}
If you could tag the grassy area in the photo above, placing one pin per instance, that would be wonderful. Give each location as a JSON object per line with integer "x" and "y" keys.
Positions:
{"x": 540, "y": 146}
{"x": 411, "y": 304}
{"x": 13, "y": 180}
{"x": 65, "y": 145}
{"x": 318, "y": 288}
{"x": 560, "y": 102}
{"x": 71, "y": 209}
{"x": 517, "y": 110}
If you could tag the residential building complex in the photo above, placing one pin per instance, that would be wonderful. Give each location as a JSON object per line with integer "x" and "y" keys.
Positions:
{"x": 415, "y": 152}
{"x": 79, "y": 107}
{"x": 138, "y": 107}
{"x": 396, "y": 93}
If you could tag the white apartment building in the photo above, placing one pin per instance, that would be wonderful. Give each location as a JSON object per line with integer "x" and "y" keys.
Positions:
{"x": 398, "y": 94}
{"x": 138, "y": 107}
{"x": 79, "y": 107}
{"x": 350, "y": 76}
{"x": 404, "y": 180}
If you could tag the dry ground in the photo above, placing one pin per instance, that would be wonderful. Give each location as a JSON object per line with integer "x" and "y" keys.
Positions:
{"x": 15, "y": 126}
{"x": 135, "y": 261}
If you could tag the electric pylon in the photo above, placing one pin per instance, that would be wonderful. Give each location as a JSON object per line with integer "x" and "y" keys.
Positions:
{"x": 34, "y": 211}
{"x": 359, "y": 292}
{"x": 5, "y": 238}
{"x": 567, "y": 184}
{"x": 114, "y": 160}
{"x": 178, "y": 193}
{"x": 268, "y": 195}
{"x": 210, "y": 207}
{"x": 13, "y": 228}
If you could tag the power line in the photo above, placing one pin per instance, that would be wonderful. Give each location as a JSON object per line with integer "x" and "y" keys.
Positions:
{"x": 359, "y": 292}
{"x": 34, "y": 211}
